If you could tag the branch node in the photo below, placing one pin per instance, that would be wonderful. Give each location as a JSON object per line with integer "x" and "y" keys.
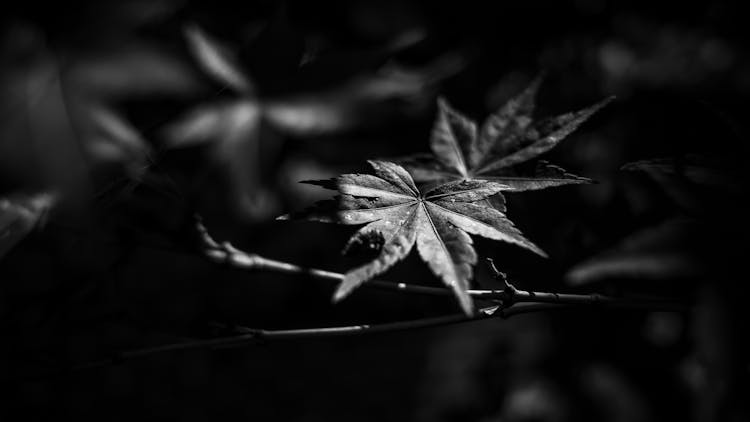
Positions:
{"x": 497, "y": 274}
{"x": 509, "y": 292}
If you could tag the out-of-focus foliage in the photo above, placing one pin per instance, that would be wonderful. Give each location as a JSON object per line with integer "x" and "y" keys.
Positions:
{"x": 62, "y": 125}
{"x": 246, "y": 132}
{"x": 699, "y": 185}
{"x": 675, "y": 249}
{"x": 91, "y": 89}
{"x": 437, "y": 222}
{"x": 19, "y": 215}
{"x": 686, "y": 246}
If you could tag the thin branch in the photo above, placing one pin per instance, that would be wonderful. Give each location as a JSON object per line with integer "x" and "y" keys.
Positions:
{"x": 512, "y": 301}
{"x": 251, "y": 336}
{"x": 510, "y": 295}
{"x": 227, "y": 254}
{"x": 509, "y": 301}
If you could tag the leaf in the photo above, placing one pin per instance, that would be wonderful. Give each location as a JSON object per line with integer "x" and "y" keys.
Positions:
{"x": 110, "y": 138}
{"x": 216, "y": 60}
{"x": 502, "y": 148}
{"x": 438, "y": 222}
{"x": 361, "y": 100}
{"x": 697, "y": 184}
{"x": 707, "y": 234}
{"x": 131, "y": 70}
{"x": 234, "y": 129}
{"x": 696, "y": 169}
{"x": 675, "y": 249}
{"x": 19, "y": 215}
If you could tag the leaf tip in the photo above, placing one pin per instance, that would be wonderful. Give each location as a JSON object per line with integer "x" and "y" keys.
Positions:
{"x": 341, "y": 293}
{"x": 632, "y": 166}
{"x": 537, "y": 250}
{"x": 535, "y": 83}
{"x": 348, "y": 284}
{"x": 489, "y": 311}
{"x": 603, "y": 103}
{"x": 443, "y": 105}
{"x": 577, "y": 276}
{"x": 193, "y": 34}
{"x": 586, "y": 180}
{"x": 464, "y": 300}
{"x": 329, "y": 184}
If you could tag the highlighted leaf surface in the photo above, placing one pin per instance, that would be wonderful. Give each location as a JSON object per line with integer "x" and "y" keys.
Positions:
{"x": 503, "y": 149}
{"x": 438, "y": 222}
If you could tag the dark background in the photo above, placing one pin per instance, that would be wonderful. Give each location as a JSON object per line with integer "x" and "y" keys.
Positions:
{"x": 115, "y": 267}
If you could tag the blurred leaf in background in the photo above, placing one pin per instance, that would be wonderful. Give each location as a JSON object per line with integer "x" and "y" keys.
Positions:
{"x": 246, "y": 133}
{"x": 19, "y": 214}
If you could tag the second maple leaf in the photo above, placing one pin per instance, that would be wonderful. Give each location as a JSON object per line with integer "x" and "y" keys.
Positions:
{"x": 503, "y": 149}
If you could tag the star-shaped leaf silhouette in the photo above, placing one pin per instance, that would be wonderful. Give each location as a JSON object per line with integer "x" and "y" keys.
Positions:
{"x": 438, "y": 222}
{"x": 502, "y": 149}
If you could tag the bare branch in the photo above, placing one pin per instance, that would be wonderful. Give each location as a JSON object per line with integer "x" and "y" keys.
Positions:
{"x": 227, "y": 254}
{"x": 249, "y": 336}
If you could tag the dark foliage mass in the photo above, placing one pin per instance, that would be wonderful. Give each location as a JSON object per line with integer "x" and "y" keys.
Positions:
{"x": 122, "y": 121}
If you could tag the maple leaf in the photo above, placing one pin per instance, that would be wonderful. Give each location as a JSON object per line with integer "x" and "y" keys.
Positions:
{"x": 501, "y": 149}
{"x": 438, "y": 222}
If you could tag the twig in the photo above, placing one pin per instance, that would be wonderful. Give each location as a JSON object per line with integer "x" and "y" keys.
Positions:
{"x": 511, "y": 295}
{"x": 251, "y": 335}
{"x": 227, "y": 254}
{"x": 512, "y": 301}
{"x": 509, "y": 301}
